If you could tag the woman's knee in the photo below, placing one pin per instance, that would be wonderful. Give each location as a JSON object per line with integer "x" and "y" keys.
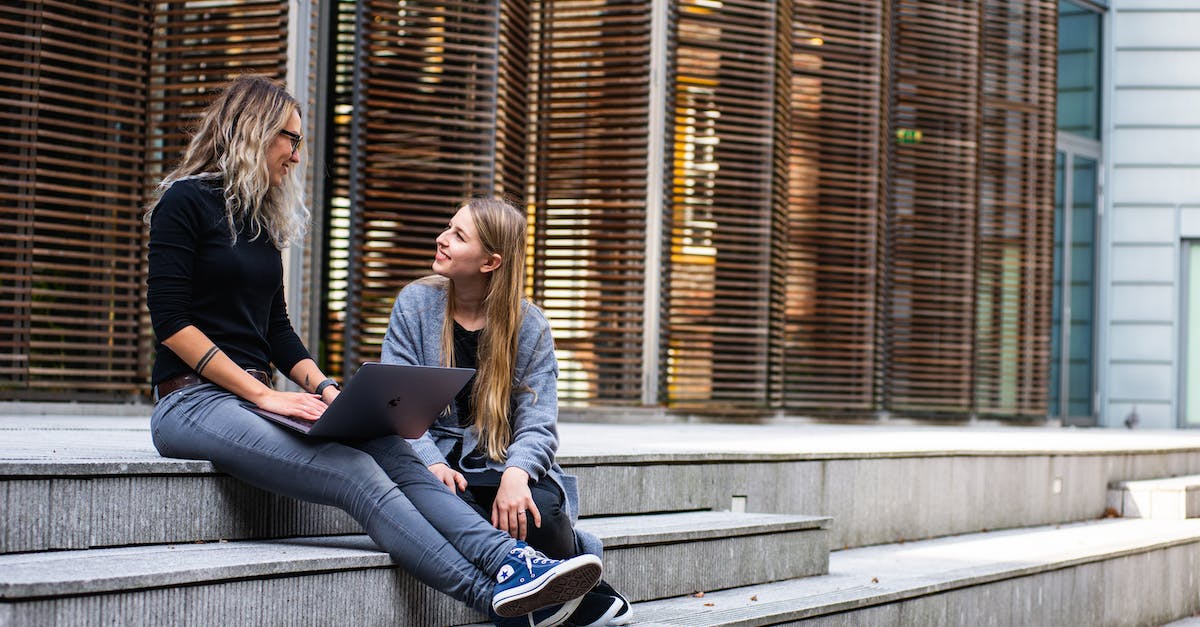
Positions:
{"x": 549, "y": 499}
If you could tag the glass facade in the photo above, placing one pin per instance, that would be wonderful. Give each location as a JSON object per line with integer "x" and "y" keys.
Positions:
{"x": 1072, "y": 332}
{"x": 1079, "y": 32}
{"x": 1076, "y": 216}
{"x": 1190, "y": 390}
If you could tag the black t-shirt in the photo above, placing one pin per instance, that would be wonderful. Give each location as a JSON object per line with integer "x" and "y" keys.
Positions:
{"x": 233, "y": 292}
{"x": 466, "y": 355}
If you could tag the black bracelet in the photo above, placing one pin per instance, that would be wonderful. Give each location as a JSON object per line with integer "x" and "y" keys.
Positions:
{"x": 324, "y": 384}
{"x": 200, "y": 365}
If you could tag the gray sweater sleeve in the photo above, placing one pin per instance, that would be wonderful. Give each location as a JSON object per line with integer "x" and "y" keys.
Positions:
{"x": 403, "y": 344}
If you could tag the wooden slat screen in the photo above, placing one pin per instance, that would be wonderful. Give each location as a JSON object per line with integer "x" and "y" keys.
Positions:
{"x": 425, "y": 124}
{"x": 1015, "y": 208}
{"x": 717, "y": 321}
{"x": 513, "y": 78}
{"x": 591, "y": 108}
{"x": 71, "y": 179}
{"x": 835, "y": 207}
{"x": 928, "y": 299}
{"x": 199, "y": 46}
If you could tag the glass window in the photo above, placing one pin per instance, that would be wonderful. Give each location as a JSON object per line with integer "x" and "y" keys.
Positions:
{"x": 1190, "y": 389}
{"x": 1072, "y": 331}
{"x": 1078, "y": 70}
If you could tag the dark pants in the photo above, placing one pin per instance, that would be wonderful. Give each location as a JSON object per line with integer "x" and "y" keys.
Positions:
{"x": 556, "y": 537}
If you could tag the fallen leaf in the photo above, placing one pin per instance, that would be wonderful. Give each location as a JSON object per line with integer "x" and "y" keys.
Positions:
{"x": 699, "y": 595}
{"x": 1111, "y": 512}
{"x": 874, "y": 579}
{"x": 708, "y": 604}
{"x": 754, "y": 598}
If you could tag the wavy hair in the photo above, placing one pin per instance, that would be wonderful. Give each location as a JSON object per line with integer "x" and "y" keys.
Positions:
{"x": 502, "y": 230}
{"x": 231, "y": 144}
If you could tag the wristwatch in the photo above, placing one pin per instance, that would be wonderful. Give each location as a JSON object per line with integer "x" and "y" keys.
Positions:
{"x": 324, "y": 384}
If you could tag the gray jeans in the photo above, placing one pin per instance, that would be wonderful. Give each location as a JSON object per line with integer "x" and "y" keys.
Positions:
{"x": 428, "y": 530}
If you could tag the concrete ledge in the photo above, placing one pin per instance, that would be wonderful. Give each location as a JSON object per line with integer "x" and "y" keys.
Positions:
{"x": 1102, "y": 572}
{"x": 881, "y": 483}
{"x": 656, "y": 556}
{"x": 626, "y": 531}
{"x": 1173, "y": 498}
{"x": 72, "y": 573}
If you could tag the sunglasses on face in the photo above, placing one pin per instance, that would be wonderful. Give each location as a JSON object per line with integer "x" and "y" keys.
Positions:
{"x": 295, "y": 139}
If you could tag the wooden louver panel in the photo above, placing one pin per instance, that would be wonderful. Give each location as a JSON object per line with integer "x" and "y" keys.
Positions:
{"x": 590, "y": 169}
{"x": 425, "y": 132}
{"x": 1015, "y": 208}
{"x": 71, "y": 181}
{"x": 834, "y": 206}
{"x": 718, "y": 302}
{"x": 928, "y": 331}
{"x": 198, "y": 47}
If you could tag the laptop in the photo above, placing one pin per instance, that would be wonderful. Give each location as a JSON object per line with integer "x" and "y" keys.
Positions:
{"x": 382, "y": 399}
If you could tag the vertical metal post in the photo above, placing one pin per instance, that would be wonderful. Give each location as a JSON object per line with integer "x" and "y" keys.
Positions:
{"x": 320, "y": 128}
{"x": 349, "y": 345}
{"x": 655, "y": 191}
{"x": 296, "y": 78}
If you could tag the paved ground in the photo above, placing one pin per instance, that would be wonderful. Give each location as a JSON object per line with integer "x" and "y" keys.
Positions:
{"x": 99, "y": 432}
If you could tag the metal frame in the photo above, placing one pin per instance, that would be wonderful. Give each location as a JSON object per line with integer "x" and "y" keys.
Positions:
{"x": 1072, "y": 146}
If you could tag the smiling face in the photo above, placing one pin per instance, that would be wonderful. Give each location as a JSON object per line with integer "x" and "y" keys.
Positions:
{"x": 280, "y": 156}
{"x": 460, "y": 255}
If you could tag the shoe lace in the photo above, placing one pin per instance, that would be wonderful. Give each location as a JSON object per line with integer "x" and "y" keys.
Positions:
{"x": 531, "y": 555}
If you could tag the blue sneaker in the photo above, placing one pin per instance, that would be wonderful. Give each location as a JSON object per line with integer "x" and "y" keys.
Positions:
{"x": 552, "y": 616}
{"x": 529, "y": 581}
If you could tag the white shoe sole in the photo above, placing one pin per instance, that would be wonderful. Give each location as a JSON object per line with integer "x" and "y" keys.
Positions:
{"x": 566, "y": 581}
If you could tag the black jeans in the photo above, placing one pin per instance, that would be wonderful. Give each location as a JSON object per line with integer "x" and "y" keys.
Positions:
{"x": 556, "y": 537}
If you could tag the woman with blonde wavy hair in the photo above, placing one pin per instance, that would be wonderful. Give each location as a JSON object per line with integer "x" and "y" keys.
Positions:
{"x": 215, "y": 294}
{"x": 495, "y": 445}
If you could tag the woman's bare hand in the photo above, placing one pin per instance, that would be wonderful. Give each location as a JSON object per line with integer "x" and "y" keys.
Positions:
{"x": 513, "y": 509}
{"x": 447, "y": 475}
{"x": 295, "y": 404}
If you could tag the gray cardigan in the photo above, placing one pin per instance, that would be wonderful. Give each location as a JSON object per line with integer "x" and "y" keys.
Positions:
{"x": 414, "y": 337}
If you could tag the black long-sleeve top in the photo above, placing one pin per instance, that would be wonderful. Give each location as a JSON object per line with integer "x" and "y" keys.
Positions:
{"x": 233, "y": 292}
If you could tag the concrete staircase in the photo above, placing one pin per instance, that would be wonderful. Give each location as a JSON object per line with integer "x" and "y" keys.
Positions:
{"x": 160, "y": 541}
{"x": 1173, "y": 498}
{"x": 703, "y": 525}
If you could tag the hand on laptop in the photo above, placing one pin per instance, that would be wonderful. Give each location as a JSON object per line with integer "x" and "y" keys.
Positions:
{"x": 296, "y": 404}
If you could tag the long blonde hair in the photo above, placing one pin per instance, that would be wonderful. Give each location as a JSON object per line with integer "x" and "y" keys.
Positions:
{"x": 235, "y": 133}
{"x": 502, "y": 231}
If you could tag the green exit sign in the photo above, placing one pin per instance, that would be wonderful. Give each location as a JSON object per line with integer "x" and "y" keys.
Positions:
{"x": 908, "y": 136}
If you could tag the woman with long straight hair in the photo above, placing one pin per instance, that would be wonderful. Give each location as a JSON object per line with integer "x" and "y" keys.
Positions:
{"x": 215, "y": 294}
{"x": 495, "y": 445}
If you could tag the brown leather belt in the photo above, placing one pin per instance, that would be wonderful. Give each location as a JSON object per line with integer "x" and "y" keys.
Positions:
{"x": 188, "y": 379}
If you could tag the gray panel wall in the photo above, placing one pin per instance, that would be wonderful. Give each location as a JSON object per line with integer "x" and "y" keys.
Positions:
{"x": 1153, "y": 195}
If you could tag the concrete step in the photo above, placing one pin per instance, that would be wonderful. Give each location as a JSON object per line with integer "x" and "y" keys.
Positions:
{"x": 1172, "y": 498}
{"x": 1103, "y": 572}
{"x": 347, "y": 580}
{"x": 68, "y": 482}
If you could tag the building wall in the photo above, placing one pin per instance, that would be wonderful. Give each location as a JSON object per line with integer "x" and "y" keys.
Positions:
{"x": 1152, "y": 204}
